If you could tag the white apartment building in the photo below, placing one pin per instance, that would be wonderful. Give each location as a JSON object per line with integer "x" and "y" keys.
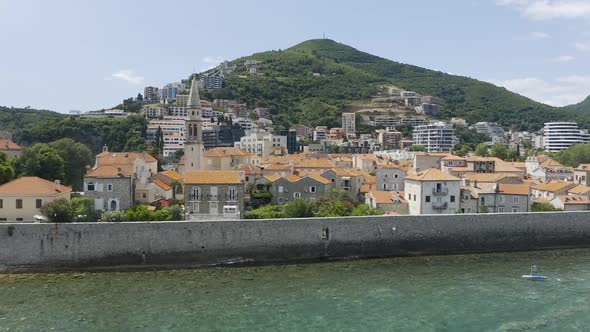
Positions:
{"x": 320, "y": 133}
{"x": 169, "y": 125}
{"x": 559, "y": 136}
{"x": 348, "y": 124}
{"x": 244, "y": 123}
{"x": 179, "y": 111}
{"x": 491, "y": 129}
{"x": 432, "y": 192}
{"x": 261, "y": 143}
{"x": 154, "y": 112}
{"x": 435, "y": 137}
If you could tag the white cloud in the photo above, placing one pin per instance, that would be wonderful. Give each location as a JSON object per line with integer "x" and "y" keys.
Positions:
{"x": 549, "y": 9}
{"x": 564, "y": 58}
{"x": 211, "y": 62}
{"x": 536, "y": 35}
{"x": 582, "y": 46}
{"x": 129, "y": 76}
{"x": 561, "y": 91}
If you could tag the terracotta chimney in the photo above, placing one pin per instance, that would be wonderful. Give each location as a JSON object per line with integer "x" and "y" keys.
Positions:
{"x": 57, "y": 185}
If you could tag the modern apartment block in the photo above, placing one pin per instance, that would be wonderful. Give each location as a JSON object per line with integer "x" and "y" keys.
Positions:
{"x": 435, "y": 137}
{"x": 491, "y": 129}
{"x": 348, "y": 124}
{"x": 261, "y": 143}
{"x": 151, "y": 94}
{"x": 211, "y": 82}
{"x": 559, "y": 136}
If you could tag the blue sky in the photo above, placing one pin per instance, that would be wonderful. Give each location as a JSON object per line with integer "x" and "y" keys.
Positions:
{"x": 81, "y": 55}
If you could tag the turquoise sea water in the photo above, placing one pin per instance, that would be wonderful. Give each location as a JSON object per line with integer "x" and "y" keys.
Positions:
{"x": 444, "y": 293}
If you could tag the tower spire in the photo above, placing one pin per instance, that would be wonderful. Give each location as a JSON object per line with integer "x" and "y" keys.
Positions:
{"x": 194, "y": 100}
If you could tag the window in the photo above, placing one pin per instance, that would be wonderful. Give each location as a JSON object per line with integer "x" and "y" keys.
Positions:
{"x": 500, "y": 209}
{"x": 196, "y": 194}
{"x": 312, "y": 189}
{"x": 452, "y": 198}
{"x": 144, "y": 195}
{"x": 501, "y": 199}
{"x": 19, "y": 203}
{"x": 232, "y": 193}
{"x": 296, "y": 195}
{"x": 281, "y": 200}
{"x": 109, "y": 187}
{"x": 414, "y": 198}
{"x": 515, "y": 199}
{"x": 19, "y": 219}
{"x": 483, "y": 200}
{"x": 281, "y": 189}
{"x": 213, "y": 191}
{"x": 514, "y": 210}
{"x": 427, "y": 199}
{"x": 90, "y": 186}
{"x": 395, "y": 176}
{"x": 1, "y": 204}
{"x": 38, "y": 203}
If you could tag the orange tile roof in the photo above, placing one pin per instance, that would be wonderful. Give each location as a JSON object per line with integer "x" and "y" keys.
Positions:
{"x": 162, "y": 184}
{"x": 431, "y": 174}
{"x": 277, "y": 167}
{"x": 583, "y": 167}
{"x": 122, "y": 158}
{"x": 315, "y": 163}
{"x": 346, "y": 172}
{"x": 226, "y": 152}
{"x": 551, "y": 163}
{"x": 106, "y": 172}
{"x": 32, "y": 186}
{"x": 478, "y": 158}
{"x": 212, "y": 177}
{"x": 292, "y": 178}
{"x": 368, "y": 187}
{"x": 251, "y": 170}
{"x": 8, "y": 145}
{"x": 272, "y": 177}
{"x": 574, "y": 200}
{"x": 370, "y": 179}
{"x": 507, "y": 168}
{"x": 172, "y": 175}
{"x": 579, "y": 190}
{"x": 540, "y": 200}
{"x": 386, "y": 197}
{"x": 514, "y": 189}
{"x": 554, "y": 186}
{"x": 453, "y": 157}
{"x": 319, "y": 178}
{"x": 488, "y": 177}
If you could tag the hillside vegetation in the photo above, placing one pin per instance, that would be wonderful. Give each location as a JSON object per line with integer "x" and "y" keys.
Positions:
{"x": 30, "y": 126}
{"x": 294, "y": 95}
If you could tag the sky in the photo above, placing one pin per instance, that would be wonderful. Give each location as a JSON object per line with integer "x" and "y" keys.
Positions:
{"x": 67, "y": 55}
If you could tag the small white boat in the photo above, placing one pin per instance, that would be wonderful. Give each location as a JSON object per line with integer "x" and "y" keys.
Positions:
{"x": 533, "y": 275}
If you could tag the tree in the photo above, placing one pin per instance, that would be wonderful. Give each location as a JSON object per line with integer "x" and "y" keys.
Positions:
{"x": 139, "y": 97}
{"x": 59, "y": 210}
{"x": 113, "y": 216}
{"x": 266, "y": 212}
{"x": 499, "y": 151}
{"x": 299, "y": 208}
{"x": 543, "y": 207}
{"x": 416, "y": 147}
{"x": 481, "y": 150}
{"x": 574, "y": 155}
{"x": 139, "y": 213}
{"x": 176, "y": 213}
{"x": 365, "y": 210}
{"x": 43, "y": 161}
{"x": 333, "y": 209}
{"x": 83, "y": 209}
{"x": 7, "y": 171}
{"x": 463, "y": 150}
{"x": 77, "y": 157}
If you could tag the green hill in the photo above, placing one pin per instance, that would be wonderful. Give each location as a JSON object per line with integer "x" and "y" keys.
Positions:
{"x": 287, "y": 86}
{"x": 583, "y": 106}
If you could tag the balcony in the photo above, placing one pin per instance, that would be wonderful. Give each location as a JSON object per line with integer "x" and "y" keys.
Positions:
{"x": 440, "y": 191}
{"x": 439, "y": 205}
